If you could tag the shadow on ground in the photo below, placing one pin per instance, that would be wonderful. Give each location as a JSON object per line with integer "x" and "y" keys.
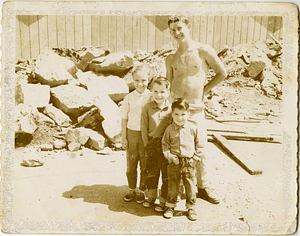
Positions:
{"x": 109, "y": 195}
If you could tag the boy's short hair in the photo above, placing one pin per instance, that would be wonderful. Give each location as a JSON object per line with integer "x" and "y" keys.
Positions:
{"x": 160, "y": 80}
{"x": 141, "y": 67}
{"x": 173, "y": 19}
{"x": 181, "y": 104}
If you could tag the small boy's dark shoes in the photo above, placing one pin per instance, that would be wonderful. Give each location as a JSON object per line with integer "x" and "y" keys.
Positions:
{"x": 140, "y": 197}
{"x": 148, "y": 202}
{"x": 130, "y": 195}
{"x": 191, "y": 215}
{"x": 169, "y": 213}
{"x": 160, "y": 208}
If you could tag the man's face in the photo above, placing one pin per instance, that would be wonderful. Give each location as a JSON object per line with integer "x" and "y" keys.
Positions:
{"x": 180, "y": 117}
{"x": 180, "y": 31}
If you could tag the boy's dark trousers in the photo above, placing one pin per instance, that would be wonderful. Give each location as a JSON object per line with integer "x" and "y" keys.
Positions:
{"x": 187, "y": 172}
{"x": 156, "y": 163}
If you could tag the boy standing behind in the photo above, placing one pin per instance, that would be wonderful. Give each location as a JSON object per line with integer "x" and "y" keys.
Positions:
{"x": 182, "y": 148}
{"x": 152, "y": 113}
{"x": 131, "y": 133}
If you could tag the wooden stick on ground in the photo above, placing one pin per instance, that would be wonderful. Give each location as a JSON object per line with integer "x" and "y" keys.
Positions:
{"x": 237, "y": 156}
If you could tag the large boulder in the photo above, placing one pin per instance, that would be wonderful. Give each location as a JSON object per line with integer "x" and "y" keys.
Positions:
{"x": 57, "y": 115}
{"x": 54, "y": 70}
{"x": 114, "y": 63}
{"x": 91, "y": 119}
{"x": 71, "y": 99}
{"x": 111, "y": 114}
{"x": 78, "y": 135}
{"x": 33, "y": 95}
{"x": 270, "y": 84}
{"x": 112, "y": 85}
{"x": 90, "y": 54}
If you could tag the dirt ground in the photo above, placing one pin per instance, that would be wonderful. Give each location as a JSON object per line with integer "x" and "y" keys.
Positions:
{"x": 84, "y": 186}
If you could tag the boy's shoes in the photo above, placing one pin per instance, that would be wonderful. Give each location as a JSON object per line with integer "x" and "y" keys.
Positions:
{"x": 169, "y": 213}
{"x": 148, "y": 202}
{"x": 203, "y": 194}
{"x": 191, "y": 215}
{"x": 160, "y": 208}
{"x": 130, "y": 195}
{"x": 140, "y": 197}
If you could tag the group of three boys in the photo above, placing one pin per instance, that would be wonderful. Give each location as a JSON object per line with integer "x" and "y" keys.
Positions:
{"x": 164, "y": 130}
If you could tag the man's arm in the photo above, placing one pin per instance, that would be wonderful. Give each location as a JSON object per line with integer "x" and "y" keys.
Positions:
{"x": 216, "y": 64}
{"x": 169, "y": 70}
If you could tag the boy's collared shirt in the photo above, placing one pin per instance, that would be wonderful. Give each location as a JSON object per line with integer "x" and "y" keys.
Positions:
{"x": 132, "y": 107}
{"x": 182, "y": 141}
{"x": 151, "y": 117}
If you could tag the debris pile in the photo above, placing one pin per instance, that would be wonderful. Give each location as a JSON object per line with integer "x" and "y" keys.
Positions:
{"x": 69, "y": 98}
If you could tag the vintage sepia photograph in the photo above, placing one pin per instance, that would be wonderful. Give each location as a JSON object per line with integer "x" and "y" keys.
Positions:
{"x": 149, "y": 117}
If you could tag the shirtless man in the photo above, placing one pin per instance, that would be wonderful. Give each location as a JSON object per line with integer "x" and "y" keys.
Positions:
{"x": 187, "y": 70}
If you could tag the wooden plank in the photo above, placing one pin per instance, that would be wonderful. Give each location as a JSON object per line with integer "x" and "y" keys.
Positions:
{"x": 128, "y": 36}
{"x": 277, "y": 27}
{"x": 257, "y": 28}
{"x": 25, "y": 41}
{"x": 237, "y": 30}
{"x": 264, "y": 28}
{"x": 70, "y": 31}
{"x": 151, "y": 33}
{"x": 78, "y": 32}
{"x": 33, "y": 36}
{"x": 18, "y": 54}
{"x": 235, "y": 154}
{"x": 281, "y": 30}
{"x": 271, "y": 21}
{"x": 120, "y": 33}
{"x": 87, "y": 30}
{"x": 52, "y": 33}
{"x": 250, "y": 33}
{"x": 112, "y": 33}
{"x": 196, "y": 28}
{"x": 61, "y": 30}
{"x": 217, "y": 33}
{"x": 136, "y": 31}
{"x": 191, "y": 21}
{"x": 95, "y": 24}
{"x": 243, "y": 137}
{"x": 203, "y": 29}
{"x": 223, "y": 33}
{"x": 166, "y": 36}
{"x": 210, "y": 30}
{"x": 144, "y": 33}
{"x": 158, "y": 33}
{"x": 104, "y": 31}
{"x": 230, "y": 35}
{"x": 245, "y": 20}
{"x": 43, "y": 32}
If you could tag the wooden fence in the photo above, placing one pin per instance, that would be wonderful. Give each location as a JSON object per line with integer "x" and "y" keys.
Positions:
{"x": 119, "y": 32}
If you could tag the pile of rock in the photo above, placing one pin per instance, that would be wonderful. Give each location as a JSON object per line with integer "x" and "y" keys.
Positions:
{"x": 78, "y": 92}
{"x": 260, "y": 61}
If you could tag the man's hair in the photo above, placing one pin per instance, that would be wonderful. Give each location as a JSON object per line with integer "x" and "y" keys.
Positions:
{"x": 173, "y": 19}
{"x": 160, "y": 80}
{"x": 181, "y": 104}
{"x": 142, "y": 67}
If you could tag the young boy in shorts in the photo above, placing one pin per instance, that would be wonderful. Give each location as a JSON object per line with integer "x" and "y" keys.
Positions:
{"x": 183, "y": 149}
{"x": 187, "y": 70}
{"x": 152, "y": 113}
{"x": 131, "y": 133}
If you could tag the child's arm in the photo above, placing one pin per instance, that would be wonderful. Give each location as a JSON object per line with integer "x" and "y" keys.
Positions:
{"x": 212, "y": 59}
{"x": 169, "y": 70}
{"x": 144, "y": 125}
{"x": 124, "y": 133}
{"x": 166, "y": 148}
